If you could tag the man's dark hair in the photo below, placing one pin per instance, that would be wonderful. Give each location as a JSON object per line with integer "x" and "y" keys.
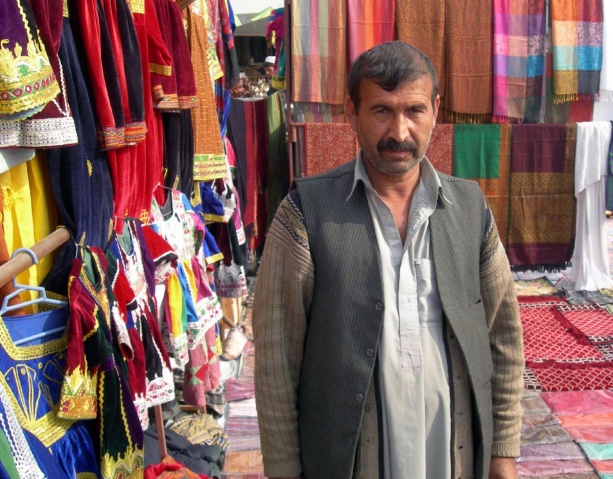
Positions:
{"x": 389, "y": 65}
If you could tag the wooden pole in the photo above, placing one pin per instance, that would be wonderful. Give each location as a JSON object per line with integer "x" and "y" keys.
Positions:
{"x": 22, "y": 261}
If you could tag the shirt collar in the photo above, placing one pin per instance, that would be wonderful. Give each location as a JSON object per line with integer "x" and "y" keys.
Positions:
{"x": 428, "y": 177}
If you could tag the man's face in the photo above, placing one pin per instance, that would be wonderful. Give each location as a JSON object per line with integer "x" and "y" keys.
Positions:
{"x": 269, "y": 69}
{"x": 394, "y": 127}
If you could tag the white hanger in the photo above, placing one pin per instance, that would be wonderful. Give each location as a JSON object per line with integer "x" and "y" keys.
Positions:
{"x": 19, "y": 288}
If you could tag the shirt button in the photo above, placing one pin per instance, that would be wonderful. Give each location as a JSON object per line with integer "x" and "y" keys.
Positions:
{"x": 378, "y": 306}
{"x": 451, "y": 336}
{"x": 359, "y": 397}
{"x": 370, "y": 352}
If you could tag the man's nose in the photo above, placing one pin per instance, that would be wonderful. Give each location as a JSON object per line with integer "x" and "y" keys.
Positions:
{"x": 399, "y": 129}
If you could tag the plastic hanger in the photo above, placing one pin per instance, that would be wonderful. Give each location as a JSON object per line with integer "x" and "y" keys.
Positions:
{"x": 20, "y": 288}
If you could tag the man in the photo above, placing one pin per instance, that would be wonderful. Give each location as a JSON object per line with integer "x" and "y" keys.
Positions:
{"x": 386, "y": 324}
{"x": 269, "y": 65}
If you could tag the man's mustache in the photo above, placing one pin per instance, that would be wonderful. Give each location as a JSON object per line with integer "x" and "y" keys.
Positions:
{"x": 392, "y": 145}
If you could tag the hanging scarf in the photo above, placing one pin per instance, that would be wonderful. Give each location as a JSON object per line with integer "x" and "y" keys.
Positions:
{"x": 519, "y": 59}
{"x": 468, "y": 60}
{"x": 542, "y": 197}
{"x": 576, "y": 29}
{"x": 482, "y": 153}
{"x": 319, "y": 45}
{"x": 430, "y": 40}
{"x": 369, "y": 23}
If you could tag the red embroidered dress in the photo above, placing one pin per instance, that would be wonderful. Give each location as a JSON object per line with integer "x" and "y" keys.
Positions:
{"x": 94, "y": 384}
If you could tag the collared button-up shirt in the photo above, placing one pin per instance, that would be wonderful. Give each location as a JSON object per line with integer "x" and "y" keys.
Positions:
{"x": 412, "y": 359}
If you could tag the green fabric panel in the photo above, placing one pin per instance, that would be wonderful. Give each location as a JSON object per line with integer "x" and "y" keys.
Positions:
{"x": 598, "y": 452}
{"x": 476, "y": 151}
{"x": 6, "y": 457}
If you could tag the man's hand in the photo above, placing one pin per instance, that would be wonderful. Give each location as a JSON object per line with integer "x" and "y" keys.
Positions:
{"x": 503, "y": 468}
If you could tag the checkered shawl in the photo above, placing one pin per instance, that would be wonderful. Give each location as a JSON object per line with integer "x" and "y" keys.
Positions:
{"x": 576, "y": 29}
{"x": 519, "y": 56}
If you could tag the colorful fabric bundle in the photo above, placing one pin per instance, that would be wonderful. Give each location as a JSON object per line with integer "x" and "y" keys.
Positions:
{"x": 278, "y": 171}
{"x": 425, "y": 31}
{"x": 468, "y": 60}
{"x": 519, "y": 60}
{"x": 328, "y": 145}
{"x": 542, "y": 197}
{"x": 570, "y": 112}
{"x": 209, "y": 160}
{"x": 369, "y": 23}
{"x": 482, "y": 153}
{"x": 576, "y": 29}
{"x": 319, "y": 43}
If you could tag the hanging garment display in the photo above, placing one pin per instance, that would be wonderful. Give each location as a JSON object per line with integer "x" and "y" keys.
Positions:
{"x": 606, "y": 74}
{"x": 590, "y": 262}
{"x": 369, "y": 23}
{"x": 483, "y": 153}
{"x": 209, "y": 160}
{"x": 31, "y": 375}
{"x": 27, "y": 81}
{"x": 130, "y": 248}
{"x": 94, "y": 385}
{"x": 542, "y": 173}
{"x": 576, "y": 29}
{"x": 519, "y": 60}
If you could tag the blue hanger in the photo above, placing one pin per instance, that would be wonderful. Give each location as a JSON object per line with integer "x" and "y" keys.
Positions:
{"x": 19, "y": 288}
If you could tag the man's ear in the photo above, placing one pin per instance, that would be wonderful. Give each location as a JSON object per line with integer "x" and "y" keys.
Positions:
{"x": 437, "y": 103}
{"x": 351, "y": 113}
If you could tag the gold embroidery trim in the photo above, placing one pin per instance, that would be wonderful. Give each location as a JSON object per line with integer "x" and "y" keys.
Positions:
{"x": 137, "y": 6}
{"x": 165, "y": 70}
{"x": 25, "y": 353}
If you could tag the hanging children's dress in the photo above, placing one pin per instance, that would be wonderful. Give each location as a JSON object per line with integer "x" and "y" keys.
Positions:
{"x": 32, "y": 375}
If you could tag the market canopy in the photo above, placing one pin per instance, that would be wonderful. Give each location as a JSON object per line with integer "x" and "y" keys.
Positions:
{"x": 251, "y": 16}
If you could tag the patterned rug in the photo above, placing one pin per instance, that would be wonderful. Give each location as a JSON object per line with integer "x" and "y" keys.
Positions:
{"x": 535, "y": 287}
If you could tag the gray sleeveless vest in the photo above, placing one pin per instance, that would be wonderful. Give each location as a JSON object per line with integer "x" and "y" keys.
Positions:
{"x": 345, "y": 320}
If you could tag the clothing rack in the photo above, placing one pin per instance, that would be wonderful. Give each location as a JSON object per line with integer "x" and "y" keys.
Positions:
{"x": 22, "y": 261}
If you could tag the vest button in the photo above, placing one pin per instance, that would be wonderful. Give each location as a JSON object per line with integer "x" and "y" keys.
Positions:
{"x": 359, "y": 397}
{"x": 350, "y": 442}
{"x": 370, "y": 352}
{"x": 378, "y": 306}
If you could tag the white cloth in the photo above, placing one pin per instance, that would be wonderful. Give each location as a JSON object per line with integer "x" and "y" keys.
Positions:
{"x": 10, "y": 157}
{"x": 606, "y": 74}
{"x": 413, "y": 377}
{"x": 590, "y": 262}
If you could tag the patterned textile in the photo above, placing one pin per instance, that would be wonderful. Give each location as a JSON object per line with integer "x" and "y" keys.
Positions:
{"x": 535, "y": 287}
{"x": 606, "y": 74}
{"x": 603, "y": 466}
{"x": 209, "y": 161}
{"x": 576, "y": 29}
{"x": 482, "y": 153}
{"x": 200, "y": 428}
{"x": 593, "y": 322}
{"x": 581, "y": 377}
{"x": 550, "y": 452}
{"x": 519, "y": 60}
{"x": 544, "y": 435}
{"x": 430, "y": 40}
{"x": 601, "y": 434}
{"x": 369, "y": 23}
{"x": 237, "y": 390}
{"x": 319, "y": 46}
{"x": 599, "y": 452}
{"x": 278, "y": 171}
{"x": 328, "y": 145}
{"x": 542, "y": 205}
{"x": 547, "y": 340}
{"x": 468, "y": 60}
{"x": 579, "y": 402}
{"x": 27, "y": 79}
{"x": 440, "y": 148}
{"x": 554, "y": 468}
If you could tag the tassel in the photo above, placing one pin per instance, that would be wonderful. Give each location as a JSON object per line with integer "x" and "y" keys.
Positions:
{"x": 470, "y": 118}
{"x": 605, "y": 96}
{"x": 565, "y": 98}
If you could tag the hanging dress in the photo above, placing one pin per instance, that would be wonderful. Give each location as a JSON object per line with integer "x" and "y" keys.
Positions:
{"x": 32, "y": 375}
